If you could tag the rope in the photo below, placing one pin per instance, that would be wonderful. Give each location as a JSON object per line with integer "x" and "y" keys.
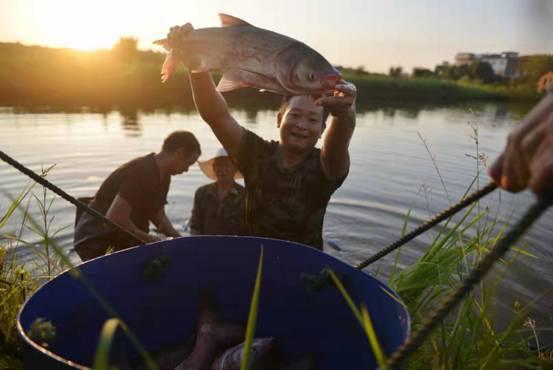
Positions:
{"x": 455, "y": 297}
{"x": 83, "y": 207}
{"x": 429, "y": 224}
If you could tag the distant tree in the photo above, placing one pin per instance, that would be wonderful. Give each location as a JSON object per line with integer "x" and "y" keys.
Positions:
{"x": 535, "y": 66}
{"x": 441, "y": 70}
{"x": 422, "y": 72}
{"x": 126, "y": 48}
{"x": 395, "y": 71}
{"x": 452, "y": 72}
{"x": 482, "y": 71}
{"x": 462, "y": 71}
{"x": 360, "y": 70}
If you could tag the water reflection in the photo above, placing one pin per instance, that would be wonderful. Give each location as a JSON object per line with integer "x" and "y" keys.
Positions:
{"x": 130, "y": 122}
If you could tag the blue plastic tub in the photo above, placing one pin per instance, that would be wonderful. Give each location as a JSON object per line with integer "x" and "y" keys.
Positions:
{"x": 154, "y": 289}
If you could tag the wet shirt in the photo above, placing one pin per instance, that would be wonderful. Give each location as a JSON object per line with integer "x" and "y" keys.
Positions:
{"x": 212, "y": 216}
{"x": 139, "y": 183}
{"x": 283, "y": 203}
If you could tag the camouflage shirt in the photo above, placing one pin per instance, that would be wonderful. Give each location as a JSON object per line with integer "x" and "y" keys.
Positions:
{"x": 283, "y": 203}
{"x": 211, "y": 216}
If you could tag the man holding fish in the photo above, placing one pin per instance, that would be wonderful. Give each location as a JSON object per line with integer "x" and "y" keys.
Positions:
{"x": 289, "y": 182}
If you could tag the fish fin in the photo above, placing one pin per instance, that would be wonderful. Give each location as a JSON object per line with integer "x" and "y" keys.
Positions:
{"x": 229, "y": 21}
{"x": 230, "y": 81}
{"x": 267, "y": 83}
{"x": 175, "y": 32}
{"x": 164, "y": 43}
{"x": 168, "y": 67}
{"x": 261, "y": 75}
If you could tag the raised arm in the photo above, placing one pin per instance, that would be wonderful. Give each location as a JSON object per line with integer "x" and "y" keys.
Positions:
{"x": 214, "y": 111}
{"x": 335, "y": 149}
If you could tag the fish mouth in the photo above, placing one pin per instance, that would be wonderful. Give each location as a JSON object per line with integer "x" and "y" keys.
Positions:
{"x": 331, "y": 80}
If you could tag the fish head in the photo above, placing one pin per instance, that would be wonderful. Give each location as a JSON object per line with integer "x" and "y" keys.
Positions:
{"x": 314, "y": 76}
{"x": 302, "y": 70}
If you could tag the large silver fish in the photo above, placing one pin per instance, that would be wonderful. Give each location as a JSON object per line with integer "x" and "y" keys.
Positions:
{"x": 249, "y": 56}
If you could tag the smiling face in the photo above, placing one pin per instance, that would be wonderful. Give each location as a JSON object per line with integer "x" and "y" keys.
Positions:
{"x": 301, "y": 124}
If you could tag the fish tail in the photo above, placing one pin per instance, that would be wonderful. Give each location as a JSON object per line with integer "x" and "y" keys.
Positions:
{"x": 168, "y": 67}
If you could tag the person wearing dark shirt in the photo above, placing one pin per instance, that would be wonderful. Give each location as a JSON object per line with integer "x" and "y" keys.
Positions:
{"x": 219, "y": 206}
{"x": 289, "y": 182}
{"x": 134, "y": 195}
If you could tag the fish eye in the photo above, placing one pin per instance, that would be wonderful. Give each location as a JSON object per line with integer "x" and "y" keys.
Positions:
{"x": 311, "y": 76}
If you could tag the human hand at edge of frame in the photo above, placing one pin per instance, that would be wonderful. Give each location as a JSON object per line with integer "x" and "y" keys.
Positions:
{"x": 342, "y": 99}
{"x": 527, "y": 160}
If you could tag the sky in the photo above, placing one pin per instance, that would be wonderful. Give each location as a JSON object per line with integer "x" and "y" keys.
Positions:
{"x": 375, "y": 34}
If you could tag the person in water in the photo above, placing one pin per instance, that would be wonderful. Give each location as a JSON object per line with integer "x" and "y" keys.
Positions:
{"x": 219, "y": 206}
{"x": 288, "y": 182}
{"x": 134, "y": 195}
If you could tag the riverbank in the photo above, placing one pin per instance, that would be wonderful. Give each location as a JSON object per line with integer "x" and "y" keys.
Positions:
{"x": 33, "y": 75}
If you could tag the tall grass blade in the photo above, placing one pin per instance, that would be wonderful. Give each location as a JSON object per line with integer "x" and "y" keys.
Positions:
{"x": 347, "y": 297}
{"x": 103, "y": 350}
{"x": 373, "y": 339}
{"x": 101, "y": 358}
{"x": 252, "y": 317}
{"x": 15, "y": 202}
{"x": 364, "y": 319}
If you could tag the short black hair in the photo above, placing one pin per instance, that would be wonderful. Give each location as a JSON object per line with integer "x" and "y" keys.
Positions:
{"x": 181, "y": 139}
{"x": 286, "y": 99}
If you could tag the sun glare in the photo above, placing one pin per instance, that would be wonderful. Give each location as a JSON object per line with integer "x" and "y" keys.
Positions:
{"x": 77, "y": 24}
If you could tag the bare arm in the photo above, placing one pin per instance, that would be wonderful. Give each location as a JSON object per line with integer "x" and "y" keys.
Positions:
{"x": 335, "y": 150}
{"x": 214, "y": 111}
{"x": 120, "y": 213}
{"x": 164, "y": 225}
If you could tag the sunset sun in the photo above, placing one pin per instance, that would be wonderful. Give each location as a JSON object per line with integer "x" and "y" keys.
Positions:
{"x": 78, "y": 25}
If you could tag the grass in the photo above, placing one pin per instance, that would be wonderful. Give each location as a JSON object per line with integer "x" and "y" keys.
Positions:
{"x": 252, "y": 316}
{"x": 363, "y": 317}
{"x": 16, "y": 282}
{"x": 468, "y": 338}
